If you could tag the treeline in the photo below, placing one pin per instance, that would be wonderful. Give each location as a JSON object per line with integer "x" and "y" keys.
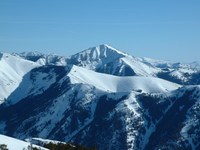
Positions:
{"x": 3, "y": 147}
{"x": 62, "y": 146}
{"x": 51, "y": 146}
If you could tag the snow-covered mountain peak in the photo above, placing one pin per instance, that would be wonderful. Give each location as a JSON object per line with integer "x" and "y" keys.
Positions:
{"x": 110, "y": 48}
{"x": 195, "y": 64}
{"x": 4, "y": 55}
{"x": 43, "y": 59}
{"x": 99, "y": 53}
{"x": 105, "y": 59}
{"x": 35, "y": 54}
{"x": 31, "y": 54}
{"x": 7, "y": 57}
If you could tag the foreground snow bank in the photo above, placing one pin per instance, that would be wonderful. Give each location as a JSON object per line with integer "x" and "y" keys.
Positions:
{"x": 15, "y": 144}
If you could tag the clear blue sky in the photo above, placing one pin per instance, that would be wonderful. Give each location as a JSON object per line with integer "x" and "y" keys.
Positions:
{"x": 160, "y": 29}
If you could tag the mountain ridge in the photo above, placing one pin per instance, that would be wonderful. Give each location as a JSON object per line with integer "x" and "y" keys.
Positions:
{"x": 123, "y": 102}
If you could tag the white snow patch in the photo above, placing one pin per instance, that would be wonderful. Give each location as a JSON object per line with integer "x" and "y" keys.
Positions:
{"x": 15, "y": 144}
{"x": 12, "y": 70}
{"x": 139, "y": 67}
{"x": 132, "y": 105}
{"x": 112, "y": 83}
{"x": 44, "y": 141}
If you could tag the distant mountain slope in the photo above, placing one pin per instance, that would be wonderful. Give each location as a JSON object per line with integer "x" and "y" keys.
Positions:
{"x": 112, "y": 83}
{"x": 43, "y": 59}
{"x": 126, "y": 120}
{"x": 179, "y": 127}
{"x": 12, "y": 70}
{"x": 100, "y": 97}
{"x": 106, "y": 59}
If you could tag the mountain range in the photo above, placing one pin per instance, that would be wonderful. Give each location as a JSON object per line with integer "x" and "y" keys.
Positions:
{"x": 101, "y": 97}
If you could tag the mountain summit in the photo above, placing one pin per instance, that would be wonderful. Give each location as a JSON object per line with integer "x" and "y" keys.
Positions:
{"x": 106, "y": 59}
{"x": 101, "y": 52}
{"x": 101, "y": 98}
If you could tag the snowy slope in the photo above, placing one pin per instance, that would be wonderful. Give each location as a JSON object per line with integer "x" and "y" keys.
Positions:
{"x": 112, "y": 83}
{"x": 180, "y": 121}
{"x": 100, "y": 97}
{"x": 164, "y": 63}
{"x": 195, "y": 64}
{"x": 12, "y": 70}
{"x": 181, "y": 73}
{"x": 106, "y": 59}
{"x": 34, "y": 82}
{"x": 139, "y": 67}
{"x": 157, "y": 63}
{"x": 15, "y": 144}
{"x": 41, "y": 141}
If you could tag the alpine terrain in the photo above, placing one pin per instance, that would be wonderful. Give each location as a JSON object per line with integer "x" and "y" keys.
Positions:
{"x": 101, "y": 97}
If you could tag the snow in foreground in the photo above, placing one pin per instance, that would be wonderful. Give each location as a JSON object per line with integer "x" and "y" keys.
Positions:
{"x": 15, "y": 144}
